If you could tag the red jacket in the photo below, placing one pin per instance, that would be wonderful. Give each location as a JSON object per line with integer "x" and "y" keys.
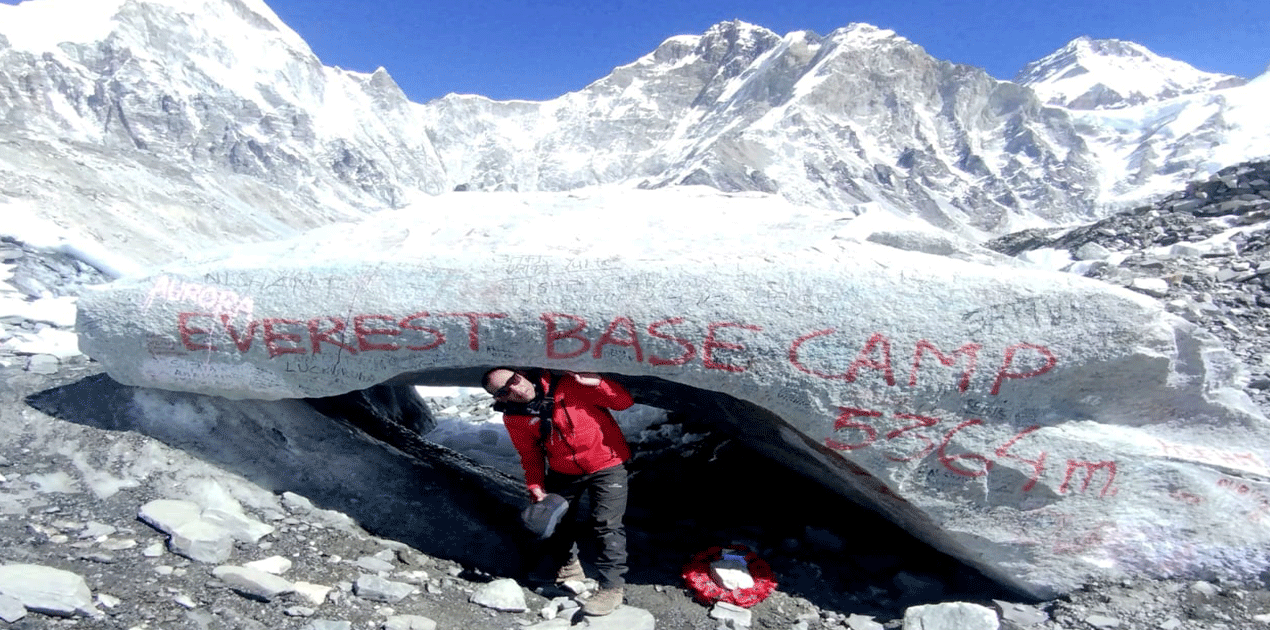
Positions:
{"x": 584, "y": 439}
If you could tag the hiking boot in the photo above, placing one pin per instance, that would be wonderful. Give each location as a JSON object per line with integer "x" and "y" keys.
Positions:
{"x": 571, "y": 571}
{"x": 604, "y": 601}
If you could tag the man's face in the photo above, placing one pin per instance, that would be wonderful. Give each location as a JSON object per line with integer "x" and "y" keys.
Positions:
{"x": 510, "y": 386}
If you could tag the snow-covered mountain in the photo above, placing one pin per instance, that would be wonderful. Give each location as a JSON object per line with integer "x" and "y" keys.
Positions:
{"x": 858, "y": 117}
{"x": 163, "y": 125}
{"x": 1149, "y": 150}
{"x": 169, "y": 123}
{"x": 1153, "y": 123}
{"x": 1110, "y": 73}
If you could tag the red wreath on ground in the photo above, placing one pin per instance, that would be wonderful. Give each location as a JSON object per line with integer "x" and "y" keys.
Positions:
{"x": 697, "y": 574}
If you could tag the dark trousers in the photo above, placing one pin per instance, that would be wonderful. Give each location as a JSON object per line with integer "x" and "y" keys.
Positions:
{"x": 597, "y": 503}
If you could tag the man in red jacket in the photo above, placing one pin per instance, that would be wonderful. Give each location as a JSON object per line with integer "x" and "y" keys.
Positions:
{"x": 570, "y": 445}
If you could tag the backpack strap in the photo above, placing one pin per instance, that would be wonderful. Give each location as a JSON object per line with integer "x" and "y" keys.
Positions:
{"x": 547, "y": 409}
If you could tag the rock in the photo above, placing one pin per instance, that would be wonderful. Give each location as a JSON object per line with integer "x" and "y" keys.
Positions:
{"x": 553, "y": 624}
{"x": 861, "y": 622}
{"x": 978, "y": 399}
{"x": 1015, "y": 616}
{"x": 371, "y": 563}
{"x": 11, "y": 609}
{"x": 731, "y": 574}
{"x": 624, "y": 618}
{"x": 950, "y": 616}
{"x": 43, "y": 364}
{"x": 1154, "y": 287}
{"x": 275, "y": 565}
{"x": 296, "y": 503}
{"x": 1091, "y": 251}
{"x": 47, "y": 590}
{"x": 240, "y": 526}
{"x": 1102, "y": 622}
{"x": 409, "y": 622}
{"x": 166, "y": 514}
{"x": 503, "y": 594}
{"x": 315, "y": 593}
{"x": 732, "y": 615}
{"x": 253, "y": 583}
{"x": 327, "y": 624}
{"x": 378, "y": 589}
{"x": 97, "y": 530}
{"x": 202, "y": 541}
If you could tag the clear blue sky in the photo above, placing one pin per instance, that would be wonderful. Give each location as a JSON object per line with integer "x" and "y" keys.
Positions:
{"x": 533, "y": 49}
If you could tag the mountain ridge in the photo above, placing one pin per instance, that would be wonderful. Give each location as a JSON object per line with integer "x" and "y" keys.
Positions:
{"x": 220, "y": 106}
{"x": 1092, "y": 73}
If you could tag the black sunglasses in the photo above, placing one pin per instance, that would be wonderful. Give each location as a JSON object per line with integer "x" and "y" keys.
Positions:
{"x": 506, "y": 389}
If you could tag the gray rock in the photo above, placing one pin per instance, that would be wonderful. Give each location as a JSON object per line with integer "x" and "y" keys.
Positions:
{"x": 555, "y": 624}
{"x": 253, "y": 583}
{"x": 202, "y": 541}
{"x": 624, "y": 618}
{"x": 1154, "y": 287}
{"x": 950, "y": 616}
{"x": 503, "y": 594}
{"x": 1102, "y": 622}
{"x": 47, "y": 590}
{"x": 861, "y": 622}
{"x": 11, "y": 609}
{"x": 296, "y": 503}
{"x": 732, "y": 615}
{"x": 378, "y": 589}
{"x": 1091, "y": 251}
{"x": 94, "y": 529}
{"x": 327, "y": 624}
{"x": 166, "y": 514}
{"x": 276, "y": 565}
{"x": 409, "y": 622}
{"x": 371, "y": 563}
{"x": 1015, "y": 616}
{"x": 43, "y": 364}
{"x": 240, "y": 526}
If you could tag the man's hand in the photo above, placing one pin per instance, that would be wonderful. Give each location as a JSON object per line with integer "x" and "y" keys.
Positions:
{"x": 589, "y": 379}
{"x": 537, "y": 494}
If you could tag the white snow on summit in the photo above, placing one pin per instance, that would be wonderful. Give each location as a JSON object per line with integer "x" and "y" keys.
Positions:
{"x": 1110, "y": 73}
{"x": 1152, "y": 149}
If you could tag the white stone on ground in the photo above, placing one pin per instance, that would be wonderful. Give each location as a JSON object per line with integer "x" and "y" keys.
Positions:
{"x": 951, "y": 616}
{"x": 732, "y": 615}
{"x": 253, "y": 583}
{"x": 276, "y": 565}
{"x": 409, "y": 622}
{"x": 504, "y": 595}
{"x": 202, "y": 541}
{"x": 315, "y": 593}
{"x": 378, "y": 589}
{"x": 47, "y": 590}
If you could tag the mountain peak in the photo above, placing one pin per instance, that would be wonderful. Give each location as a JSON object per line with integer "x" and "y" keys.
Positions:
{"x": 1090, "y": 73}
{"x": 40, "y": 27}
